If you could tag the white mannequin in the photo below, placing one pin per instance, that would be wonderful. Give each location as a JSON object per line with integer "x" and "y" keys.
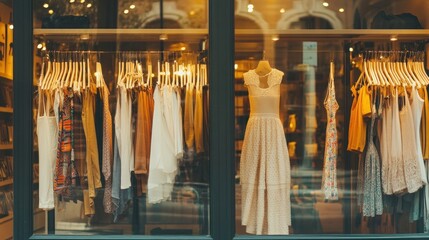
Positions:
{"x": 263, "y": 68}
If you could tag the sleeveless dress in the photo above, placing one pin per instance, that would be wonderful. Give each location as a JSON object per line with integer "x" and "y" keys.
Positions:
{"x": 412, "y": 171}
{"x": 264, "y": 163}
{"x": 329, "y": 178}
{"x": 372, "y": 193}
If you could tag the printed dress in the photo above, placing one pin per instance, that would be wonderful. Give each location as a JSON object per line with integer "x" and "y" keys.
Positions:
{"x": 264, "y": 164}
{"x": 329, "y": 180}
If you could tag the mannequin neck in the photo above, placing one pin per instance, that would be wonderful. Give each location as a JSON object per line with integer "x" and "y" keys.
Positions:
{"x": 263, "y": 68}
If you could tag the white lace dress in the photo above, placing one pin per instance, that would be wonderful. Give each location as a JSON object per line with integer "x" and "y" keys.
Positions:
{"x": 264, "y": 164}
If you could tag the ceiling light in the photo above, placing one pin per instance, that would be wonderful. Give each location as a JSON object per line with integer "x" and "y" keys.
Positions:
{"x": 163, "y": 37}
{"x": 275, "y": 37}
{"x": 325, "y": 4}
{"x": 282, "y": 10}
{"x": 250, "y": 7}
{"x": 11, "y": 27}
{"x": 84, "y": 36}
{"x": 341, "y": 10}
{"x": 89, "y": 5}
{"x": 45, "y": 5}
{"x": 126, "y": 11}
{"x": 394, "y": 38}
{"x": 51, "y": 11}
{"x": 39, "y": 46}
{"x": 132, "y": 6}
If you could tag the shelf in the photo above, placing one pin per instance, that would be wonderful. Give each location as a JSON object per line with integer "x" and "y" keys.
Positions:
{"x": 337, "y": 34}
{"x": 7, "y": 218}
{"x": 190, "y": 35}
{"x": 6, "y": 109}
{"x": 193, "y": 34}
{"x": 8, "y": 146}
{"x": 6, "y": 182}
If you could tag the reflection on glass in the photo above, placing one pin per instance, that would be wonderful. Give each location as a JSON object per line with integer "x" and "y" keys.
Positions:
{"x": 140, "y": 14}
{"x": 122, "y": 106}
{"x": 263, "y": 33}
{"x": 331, "y": 14}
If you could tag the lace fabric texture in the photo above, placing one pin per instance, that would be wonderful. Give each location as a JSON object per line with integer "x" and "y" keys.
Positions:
{"x": 265, "y": 165}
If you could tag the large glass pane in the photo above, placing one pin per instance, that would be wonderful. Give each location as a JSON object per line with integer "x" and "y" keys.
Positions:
{"x": 6, "y": 120}
{"x": 123, "y": 97}
{"x": 291, "y": 140}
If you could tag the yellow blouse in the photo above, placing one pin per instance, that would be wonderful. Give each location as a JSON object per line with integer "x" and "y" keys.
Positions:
{"x": 361, "y": 107}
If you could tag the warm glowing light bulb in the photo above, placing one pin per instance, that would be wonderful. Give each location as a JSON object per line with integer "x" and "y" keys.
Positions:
{"x": 394, "y": 38}
{"x": 51, "y": 11}
{"x": 192, "y": 13}
{"x": 282, "y": 10}
{"x": 183, "y": 48}
{"x": 45, "y": 5}
{"x": 250, "y": 7}
{"x": 82, "y": 1}
{"x": 341, "y": 10}
{"x": 351, "y": 49}
{"x": 11, "y": 27}
{"x": 39, "y": 46}
{"x": 325, "y": 4}
{"x": 126, "y": 11}
{"x": 89, "y": 5}
{"x": 275, "y": 37}
{"x": 72, "y": 1}
{"x": 43, "y": 48}
{"x": 236, "y": 66}
{"x": 132, "y": 6}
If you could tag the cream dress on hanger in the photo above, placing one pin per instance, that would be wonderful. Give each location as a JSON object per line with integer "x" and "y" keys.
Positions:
{"x": 264, "y": 164}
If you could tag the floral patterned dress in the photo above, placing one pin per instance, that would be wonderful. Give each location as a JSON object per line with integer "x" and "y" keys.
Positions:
{"x": 329, "y": 179}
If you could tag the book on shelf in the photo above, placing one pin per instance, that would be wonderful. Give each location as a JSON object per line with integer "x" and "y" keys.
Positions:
{"x": 6, "y": 132}
{"x": 6, "y": 168}
{"x": 4, "y": 212}
{"x": 6, "y": 99}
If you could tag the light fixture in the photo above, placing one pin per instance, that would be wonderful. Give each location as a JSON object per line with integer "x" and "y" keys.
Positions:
{"x": 350, "y": 49}
{"x": 275, "y": 37}
{"x": 43, "y": 48}
{"x": 394, "y": 38}
{"x": 182, "y": 48}
{"x": 11, "y": 27}
{"x": 163, "y": 37}
{"x": 72, "y": 1}
{"x": 82, "y": 1}
{"x": 250, "y": 7}
{"x": 132, "y": 6}
{"x": 126, "y": 11}
{"x": 45, "y": 5}
{"x": 325, "y": 4}
{"x": 51, "y": 11}
{"x": 282, "y": 10}
{"x": 39, "y": 46}
{"x": 88, "y": 5}
{"x": 84, "y": 36}
{"x": 341, "y": 10}
{"x": 236, "y": 66}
